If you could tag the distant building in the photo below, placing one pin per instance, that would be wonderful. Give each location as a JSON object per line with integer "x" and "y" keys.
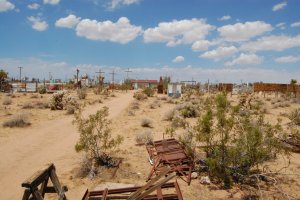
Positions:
{"x": 174, "y": 89}
{"x": 144, "y": 83}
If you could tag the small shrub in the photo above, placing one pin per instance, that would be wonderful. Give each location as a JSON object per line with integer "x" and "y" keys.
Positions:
{"x": 19, "y": 120}
{"x": 149, "y": 92}
{"x": 295, "y": 117}
{"x": 7, "y": 101}
{"x": 139, "y": 96}
{"x": 42, "y": 89}
{"x": 27, "y": 105}
{"x": 56, "y": 101}
{"x": 71, "y": 104}
{"x": 145, "y": 137}
{"x": 147, "y": 123}
{"x": 135, "y": 105}
{"x": 178, "y": 121}
{"x": 82, "y": 93}
{"x": 41, "y": 105}
{"x": 169, "y": 115}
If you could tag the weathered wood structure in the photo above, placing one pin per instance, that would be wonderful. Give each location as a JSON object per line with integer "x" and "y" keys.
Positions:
{"x": 153, "y": 190}
{"x": 225, "y": 87}
{"x": 169, "y": 153}
{"x": 275, "y": 87}
{"x": 37, "y": 185}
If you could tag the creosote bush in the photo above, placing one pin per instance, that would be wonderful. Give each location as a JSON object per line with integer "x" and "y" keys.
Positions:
{"x": 19, "y": 120}
{"x": 295, "y": 117}
{"x": 236, "y": 144}
{"x": 42, "y": 89}
{"x": 95, "y": 136}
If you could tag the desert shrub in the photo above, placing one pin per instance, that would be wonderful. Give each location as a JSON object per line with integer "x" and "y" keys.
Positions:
{"x": 56, "y": 101}
{"x": 82, "y": 93}
{"x": 154, "y": 104}
{"x": 113, "y": 95}
{"x": 27, "y": 105}
{"x": 169, "y": 132}
{"x": 163, "y": 98}
{"x": 71, "y": 104}
{"x": 147, "y": 123}
{"x": 19, "y": 120}
{"x": 178, "y": 121}
{"x": 135, "y": 105}
{"x": 41, "y": 105}
{"x": 95, "y": 136}
{"x": 235, "y": 144}
{"x": 169, "y": 115}
{"x": 148, "y": 91}
{"x": 139, "y": 96}
{"x": 7, "y": 101}
{"x": 294, "y": 116}
{"x": 145, "y": 137}
{"x": 42, "y": 89}
{"x": 189, "y": 110}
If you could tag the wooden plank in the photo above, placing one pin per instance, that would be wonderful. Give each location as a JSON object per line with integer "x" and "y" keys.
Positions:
{"x": 136, "y": 193}
{"x": 154, "y": 187}
{"x": 44, "y": 187}
{"x": 26, "y": 194}
{"x": 38, "y": 177}
{"x": 37, "y": 195}
{"x": 104, "y": 194}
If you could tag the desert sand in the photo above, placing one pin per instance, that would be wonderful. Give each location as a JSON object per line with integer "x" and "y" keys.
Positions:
{"x": 52, "y": 136}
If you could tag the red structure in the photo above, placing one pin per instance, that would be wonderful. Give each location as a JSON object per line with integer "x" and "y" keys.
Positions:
{"x": 169, "y": 153}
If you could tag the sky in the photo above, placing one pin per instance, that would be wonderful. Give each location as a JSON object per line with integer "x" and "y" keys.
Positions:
{"x": 220, "y": 40}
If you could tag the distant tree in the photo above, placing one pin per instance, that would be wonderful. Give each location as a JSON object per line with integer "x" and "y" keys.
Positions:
{"x": 294, "y": 86}
{"x": 3, "y": 76}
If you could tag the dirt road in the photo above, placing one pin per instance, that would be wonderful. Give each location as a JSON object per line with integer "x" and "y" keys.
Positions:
{"x": 27, "y": 150}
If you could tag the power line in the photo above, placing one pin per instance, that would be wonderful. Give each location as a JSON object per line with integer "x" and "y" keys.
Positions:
{"x": 100, "y": 74}
{"x": 113, "y": 78}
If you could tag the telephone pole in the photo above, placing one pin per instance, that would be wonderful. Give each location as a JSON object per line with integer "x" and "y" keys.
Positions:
{"x": 100, "y": 74}
{"x": 127, "y": 71}
{"x": 113, "y": 79}
{"x": 20, "y": 68}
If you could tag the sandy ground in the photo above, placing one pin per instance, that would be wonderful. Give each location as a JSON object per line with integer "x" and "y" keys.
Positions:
{"x": 52, "y": 141}
{"x": 52, "y": 136}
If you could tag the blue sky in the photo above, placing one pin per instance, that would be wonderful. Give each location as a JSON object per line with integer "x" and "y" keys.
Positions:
{"x": 224, "y": 41}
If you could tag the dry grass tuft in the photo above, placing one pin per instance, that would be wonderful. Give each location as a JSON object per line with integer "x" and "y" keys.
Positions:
{"x": 7, "y": 101}
{"x": 144, "y": 138}
{"x": 147, "y": 123}
{"x": 27, "y": 105}
{"x": 19, "y": 120}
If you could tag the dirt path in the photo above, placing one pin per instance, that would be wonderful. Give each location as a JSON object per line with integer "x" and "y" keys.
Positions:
{"x": 27, "y": 150}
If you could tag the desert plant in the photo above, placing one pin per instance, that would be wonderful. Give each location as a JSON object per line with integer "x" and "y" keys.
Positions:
{"x": 19, "y": 120}
{"x": 34, "y": 96}
{"x": 145, "y": 137}
{"x": 147, "y": 123}
{"x": 169, "y": 132}
{"x": 148, "y": 91}
{"x": 56, "y": 101}
{"x": 95, "y": 136}
{"x": 235, "y": 144}
{"x": 178, "y": 121}
{"x": 42, "y": 89}
{"x": 71, "y": 104}
{"x": 27, "y": 105}
{"x": 294, "y": 116}
{"x": 139, "y": 96}
{"x": 7, "y": 101}
{"x": 135, "y": 105}
{"x": 82, "y": 93}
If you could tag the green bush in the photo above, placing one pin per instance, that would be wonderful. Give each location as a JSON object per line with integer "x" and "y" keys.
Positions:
{"x": 148, "y": 91}
{"x": 95, "y": 136}
{"x": 42, "y": 89}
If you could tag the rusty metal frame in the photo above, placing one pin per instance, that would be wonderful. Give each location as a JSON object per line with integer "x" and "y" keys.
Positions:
{"x": 124, "y": 193}
{"x": 170, "y": 153}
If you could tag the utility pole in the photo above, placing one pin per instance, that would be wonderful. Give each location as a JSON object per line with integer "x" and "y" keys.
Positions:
{"x": 127, "y": 71}
{"x": 100, "y": 74}
{"x": 113, "y": 79}
{"x": 77, "y": 72}
{"x": 20, "y": 68}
